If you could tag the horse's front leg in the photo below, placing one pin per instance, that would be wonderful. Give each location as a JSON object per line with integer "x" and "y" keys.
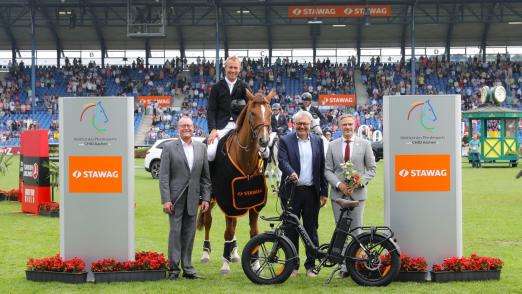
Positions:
{"x": 230, "y": 249}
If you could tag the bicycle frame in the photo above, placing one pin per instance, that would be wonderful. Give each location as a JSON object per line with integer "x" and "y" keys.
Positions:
{"x": 333, "y": 255}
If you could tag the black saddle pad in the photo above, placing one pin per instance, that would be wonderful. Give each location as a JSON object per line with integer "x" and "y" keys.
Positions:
{"x": 234, "y": 192}
{"x": 248, "y": 192}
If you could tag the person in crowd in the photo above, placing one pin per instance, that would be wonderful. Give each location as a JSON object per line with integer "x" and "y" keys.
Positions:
{"x": 307, "y": 105}
{"x": 279, "y": 120}
{"x": 474, "y": 146}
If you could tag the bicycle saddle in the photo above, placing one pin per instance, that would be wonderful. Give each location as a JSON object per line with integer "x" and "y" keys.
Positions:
{"x": 346, "y": 203}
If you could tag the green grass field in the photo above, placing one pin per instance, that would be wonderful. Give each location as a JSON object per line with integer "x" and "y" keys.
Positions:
{"x": 492, "y": 224}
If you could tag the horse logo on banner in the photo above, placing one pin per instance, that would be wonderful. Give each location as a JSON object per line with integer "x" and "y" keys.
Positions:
{"x": 99, "y": 117}
{"x": 427, "y": 114}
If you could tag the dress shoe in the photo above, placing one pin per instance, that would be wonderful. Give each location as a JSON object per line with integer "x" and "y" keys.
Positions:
{"x": 193, "y": 276}
{"x": 343, "y": 275}
{"x": 173, "y": 276}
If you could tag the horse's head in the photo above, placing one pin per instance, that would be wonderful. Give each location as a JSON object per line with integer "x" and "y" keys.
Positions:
{"x": 316, "y": 126}
{"x": 259, "y": 116}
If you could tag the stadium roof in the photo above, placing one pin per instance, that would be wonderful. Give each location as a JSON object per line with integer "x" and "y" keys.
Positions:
{"x": 258, "y": 24}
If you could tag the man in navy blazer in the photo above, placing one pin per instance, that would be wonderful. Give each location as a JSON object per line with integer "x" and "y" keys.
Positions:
{"x": 301, "y": 158}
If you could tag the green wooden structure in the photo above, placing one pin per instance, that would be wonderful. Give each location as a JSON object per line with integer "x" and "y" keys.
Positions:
{"x": 499, "y": 129}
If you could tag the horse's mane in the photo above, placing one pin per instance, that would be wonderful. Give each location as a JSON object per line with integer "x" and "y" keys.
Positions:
{"x": 242, "y": 115}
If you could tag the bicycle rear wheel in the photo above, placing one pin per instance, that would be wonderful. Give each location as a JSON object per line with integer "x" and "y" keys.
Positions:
{"x": 379, "y": 267}
{"x": 267, "y": 259}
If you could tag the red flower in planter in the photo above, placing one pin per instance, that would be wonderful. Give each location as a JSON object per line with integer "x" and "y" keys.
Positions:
{"x": 408, "y": 264}
{"x": 473, "y": 263}
{"x": 56, "y": 264}
{"x": 143, "y": 261}
{"x": 413, "y": 264}
{"x": 50, "y": 206}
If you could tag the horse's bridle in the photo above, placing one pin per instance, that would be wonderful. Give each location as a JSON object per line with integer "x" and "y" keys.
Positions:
{"x": 255, "y": 129}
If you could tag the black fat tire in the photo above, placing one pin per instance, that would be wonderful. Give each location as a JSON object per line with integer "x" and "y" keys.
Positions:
{"x": 262, "y": 245}
{"x": 155, "y": 169}
{"x": 363, "y": 277}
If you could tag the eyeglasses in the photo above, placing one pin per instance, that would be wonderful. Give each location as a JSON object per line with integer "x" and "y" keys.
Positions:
{"x": 185, "y": 126}
{"x": 302, "y": 124}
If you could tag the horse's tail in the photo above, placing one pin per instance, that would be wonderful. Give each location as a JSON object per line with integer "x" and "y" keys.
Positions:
{"x": 200, "y": 223}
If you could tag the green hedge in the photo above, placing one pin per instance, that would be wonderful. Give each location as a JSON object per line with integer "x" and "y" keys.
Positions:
{"x": 140, "y": 152}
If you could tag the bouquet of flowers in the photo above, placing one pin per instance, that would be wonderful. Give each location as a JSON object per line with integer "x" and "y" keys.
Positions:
{"x": 351, "y": 176}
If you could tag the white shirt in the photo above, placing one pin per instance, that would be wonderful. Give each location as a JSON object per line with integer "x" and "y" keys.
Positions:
{"x": 230, "y": 84}
{"x": 189, "y": 153}
{"x": 305, "y": 159}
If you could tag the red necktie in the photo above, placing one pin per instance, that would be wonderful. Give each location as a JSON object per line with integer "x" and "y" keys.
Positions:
{"x": 347, "y": 151}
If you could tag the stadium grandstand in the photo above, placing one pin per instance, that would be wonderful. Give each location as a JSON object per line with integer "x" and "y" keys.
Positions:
{"x": 59, "y": 48}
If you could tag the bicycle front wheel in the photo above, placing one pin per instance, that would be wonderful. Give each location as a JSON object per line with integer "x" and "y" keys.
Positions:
{"x": 267, "y": 259}
{"x": 379, "y": 265}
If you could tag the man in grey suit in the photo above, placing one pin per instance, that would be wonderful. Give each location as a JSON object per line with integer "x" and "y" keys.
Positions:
{"x": 359, "y": 152}
{"x": 184, "y": 177}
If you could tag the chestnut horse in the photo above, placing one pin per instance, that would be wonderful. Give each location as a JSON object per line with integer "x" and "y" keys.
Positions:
{"x": 252, "y": 131}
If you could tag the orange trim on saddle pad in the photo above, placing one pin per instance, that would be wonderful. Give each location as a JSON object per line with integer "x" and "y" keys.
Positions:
{"x": 248, "y": 193}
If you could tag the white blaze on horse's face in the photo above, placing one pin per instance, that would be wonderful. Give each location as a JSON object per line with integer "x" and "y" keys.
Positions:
{"x": 264, "y": 135}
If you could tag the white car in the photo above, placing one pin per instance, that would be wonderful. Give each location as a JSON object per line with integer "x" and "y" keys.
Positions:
{"x": 153, "y": 156}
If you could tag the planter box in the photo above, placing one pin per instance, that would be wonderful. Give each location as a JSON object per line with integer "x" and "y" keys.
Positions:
{"x": 132, "y": 276}
{"x": 464, "y": 276}
{"x": 44, "y": 276}
{"x": 49, "y": 213}
{"x": 412, "y": 276}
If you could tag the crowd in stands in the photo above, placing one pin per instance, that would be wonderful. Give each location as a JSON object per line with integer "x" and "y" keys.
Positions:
{"x": 434, "y": 75}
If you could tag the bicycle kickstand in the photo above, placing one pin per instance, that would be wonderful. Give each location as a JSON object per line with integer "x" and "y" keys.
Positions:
{"x": 330, "y": 277}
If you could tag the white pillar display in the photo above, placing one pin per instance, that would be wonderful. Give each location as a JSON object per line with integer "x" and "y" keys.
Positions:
{"x": 96, "y": 178}
{"x": 423, "y": 183}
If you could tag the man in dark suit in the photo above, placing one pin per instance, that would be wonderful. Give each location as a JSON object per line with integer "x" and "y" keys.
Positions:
{"x": 227, "y": 99}
{"x": 301, "y": 158}
{"x": 307, "y": 105}
{"x": 184, "y": 177}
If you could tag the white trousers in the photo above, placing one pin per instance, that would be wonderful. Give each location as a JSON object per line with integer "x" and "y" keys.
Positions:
{"x": 212, "y": 148}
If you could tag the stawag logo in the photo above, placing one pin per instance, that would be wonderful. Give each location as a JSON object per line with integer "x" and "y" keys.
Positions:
{"x": 422, "y": 173}
{"x": 99, "y": 118}
{"x": 427, "y": 116}
{"x": 95, "y": 174}
{"x": 249, "y": 193}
